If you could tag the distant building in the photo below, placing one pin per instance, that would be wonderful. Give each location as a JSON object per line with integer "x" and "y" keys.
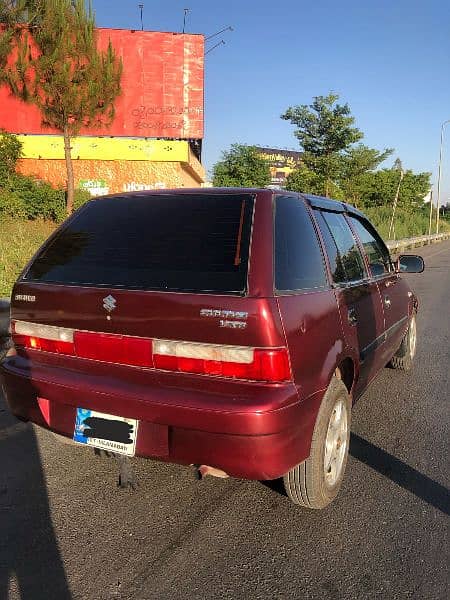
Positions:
{"x": 281, "y": 163}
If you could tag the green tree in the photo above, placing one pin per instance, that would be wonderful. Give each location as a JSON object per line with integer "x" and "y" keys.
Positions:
{"x": 26, "y": 197}
{"x": 355, "y": 162}
{"x": 49, "y": 57}
{"x": 10, "y": 152}
{"x": 241, "y": 166}
{"x": 304, "y": 180}
{"x": 378, "y": 188}
{"x": 324, "y": 130}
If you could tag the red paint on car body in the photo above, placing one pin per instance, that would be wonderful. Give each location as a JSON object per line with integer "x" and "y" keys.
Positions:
{"x": 251, "y": 429}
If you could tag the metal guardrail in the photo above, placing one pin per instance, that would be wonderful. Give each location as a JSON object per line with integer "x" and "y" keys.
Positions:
{"x": 415, "y": 242}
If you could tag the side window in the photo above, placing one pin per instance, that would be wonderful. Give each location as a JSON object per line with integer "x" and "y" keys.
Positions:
{"x": 299, "y": 263}
{"x": 352, "y": 260}
{"x": 374, "y": 247}
{"x": 335, "y": 260}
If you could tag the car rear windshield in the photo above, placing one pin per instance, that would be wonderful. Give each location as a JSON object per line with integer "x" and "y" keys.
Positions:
{"x": 170, "y": 242}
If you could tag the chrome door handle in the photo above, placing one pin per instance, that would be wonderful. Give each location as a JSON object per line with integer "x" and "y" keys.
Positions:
{"x": 387, "y": 301}
{"x": 352, "y": 318}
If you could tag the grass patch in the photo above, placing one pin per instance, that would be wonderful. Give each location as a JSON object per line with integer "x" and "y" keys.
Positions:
{"x": 407, "y": 223}
{"x": 19, "y": 240}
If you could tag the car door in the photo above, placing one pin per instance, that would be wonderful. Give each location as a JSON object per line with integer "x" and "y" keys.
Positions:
{"x": 357, "y": 294}
{"x": 393, "y": 290}
{"x": 306, "y": 300}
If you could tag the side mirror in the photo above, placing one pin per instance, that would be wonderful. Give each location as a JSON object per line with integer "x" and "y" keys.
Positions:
{"x": 409, "y": 263}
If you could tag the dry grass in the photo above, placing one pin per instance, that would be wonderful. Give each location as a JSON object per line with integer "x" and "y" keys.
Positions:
{"x": 19, "y": 240}
{"x": 408, "y": 223}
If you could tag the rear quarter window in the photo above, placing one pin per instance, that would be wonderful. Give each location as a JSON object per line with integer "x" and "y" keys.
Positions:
{"x": 350, "y": 255}
{"x": 374, "y": 247}
{"x": 168, "y": 242}
{"x": 299, "y": 263}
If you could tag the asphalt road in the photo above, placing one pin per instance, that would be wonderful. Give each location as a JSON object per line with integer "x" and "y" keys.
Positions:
{"x": 67, "y": 531}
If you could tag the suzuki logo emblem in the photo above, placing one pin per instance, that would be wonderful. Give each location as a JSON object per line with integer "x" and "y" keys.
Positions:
{"x": 109, "y": 303}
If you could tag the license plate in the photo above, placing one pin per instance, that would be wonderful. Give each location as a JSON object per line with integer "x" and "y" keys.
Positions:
{"x": 107, "y": 432}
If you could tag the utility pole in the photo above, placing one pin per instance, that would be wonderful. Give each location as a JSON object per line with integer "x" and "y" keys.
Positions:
{"x": 431, "y": 214}
{"x": 439, "y": 175}
{"x": 391, "y": 226}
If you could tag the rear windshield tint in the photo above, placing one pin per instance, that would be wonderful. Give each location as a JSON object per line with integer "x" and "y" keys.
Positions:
{"x": 170, "y": 242}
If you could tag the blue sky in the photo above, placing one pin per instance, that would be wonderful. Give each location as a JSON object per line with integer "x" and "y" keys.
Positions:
{"x": 390, "y": 60}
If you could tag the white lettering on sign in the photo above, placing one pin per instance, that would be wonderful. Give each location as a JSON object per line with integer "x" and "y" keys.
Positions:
{"x": 134, "y": 186}
{"x": 96, "y": 187}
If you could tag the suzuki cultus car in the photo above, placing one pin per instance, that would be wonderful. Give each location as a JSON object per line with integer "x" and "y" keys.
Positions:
{"x": 230, "y": 329}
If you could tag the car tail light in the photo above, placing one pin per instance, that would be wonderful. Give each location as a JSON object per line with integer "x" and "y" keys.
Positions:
{"x": 236, "y": 362}
{"x": 43, "y": 337}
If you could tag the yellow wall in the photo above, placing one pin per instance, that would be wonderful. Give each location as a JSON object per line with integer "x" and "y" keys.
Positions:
{"x": 112, "y": 165}
{"x": 104, "y": 148}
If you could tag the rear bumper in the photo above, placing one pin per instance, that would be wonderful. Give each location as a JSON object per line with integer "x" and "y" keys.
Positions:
{"x": 252, "y": 431}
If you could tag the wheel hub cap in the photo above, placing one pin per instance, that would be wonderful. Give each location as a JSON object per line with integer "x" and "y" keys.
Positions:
{"x": 412, "y": 337}
{"x": 335, "y": 443}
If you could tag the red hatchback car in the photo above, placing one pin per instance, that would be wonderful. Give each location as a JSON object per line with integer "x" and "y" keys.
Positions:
{"x": 230, "y": 329}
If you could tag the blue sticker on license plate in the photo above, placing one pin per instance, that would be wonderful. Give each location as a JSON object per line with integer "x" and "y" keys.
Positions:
{"x": 107, "y": 432}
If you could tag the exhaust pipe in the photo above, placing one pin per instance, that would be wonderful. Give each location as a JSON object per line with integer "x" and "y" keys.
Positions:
{"x": 201, "y": 471}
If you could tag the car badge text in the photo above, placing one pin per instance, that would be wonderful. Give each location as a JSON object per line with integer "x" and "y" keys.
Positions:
{"x": 109, "y": 303}
{"x": 227, "y": 317}
{"x": 25, "y": 298}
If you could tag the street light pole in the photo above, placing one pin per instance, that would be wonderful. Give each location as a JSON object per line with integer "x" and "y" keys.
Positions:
{"x": 440, "y": 174}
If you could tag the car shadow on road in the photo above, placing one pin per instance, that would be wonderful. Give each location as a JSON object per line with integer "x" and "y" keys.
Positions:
{"x": 394, "y": 469}
{"x": 29, "y": 554}
{"x": 400, "y": 473}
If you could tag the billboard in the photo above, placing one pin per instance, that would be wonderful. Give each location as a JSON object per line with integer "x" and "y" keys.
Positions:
{"x": 162, "y": 89}
{"x": 281, "y": 163}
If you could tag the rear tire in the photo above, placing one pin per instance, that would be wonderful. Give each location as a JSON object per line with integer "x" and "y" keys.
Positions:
{"x": 315, "y": 482}
{"x": 403, "y": 358}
